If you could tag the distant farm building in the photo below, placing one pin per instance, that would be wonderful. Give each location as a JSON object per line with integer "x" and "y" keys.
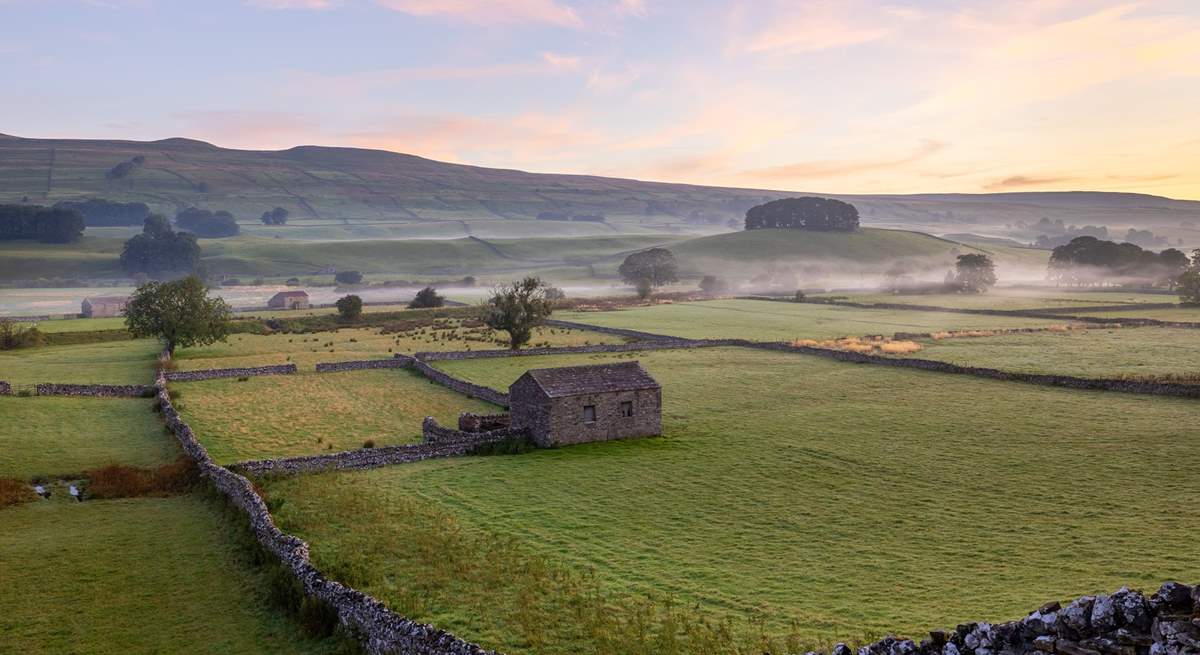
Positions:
{"x": 289, "y": 300}
{"x": 578, "y": 404}
{"x": 98, "y": 306}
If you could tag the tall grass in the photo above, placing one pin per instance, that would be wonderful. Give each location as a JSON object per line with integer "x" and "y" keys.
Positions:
{"x": 864, "y": 345}
{"x": 120, "y": 481}
{"x": 14, "y": 492}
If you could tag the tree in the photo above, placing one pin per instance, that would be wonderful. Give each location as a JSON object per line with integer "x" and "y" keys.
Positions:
{"x": 808, "y": 213}
{"x": 349, "y": 307}
{"x": 179, "y": 313}
{"x": 517, "y": 308}
{"x": 347, "y": 277}
{"x": 13, "y": 335}
{"x": 98, "y": 212}
{"x": 1187, "y": 285}
{"x": 426, "y": 298}
{"x": 277, "y": 216}
{"x": 1173, "y": 264}
{"x": 649, "y": 269}
{"x": 159, "y": 251}
{"x": 555, "y": 294}
{"x": 56, "y": 225}
{"x": 975, "y": 273}
{"x": 204, "y": 223}
{"x": 712, "y": 285}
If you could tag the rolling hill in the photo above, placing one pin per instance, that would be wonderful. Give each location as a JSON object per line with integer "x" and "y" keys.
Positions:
{"x": 350, "y": 193}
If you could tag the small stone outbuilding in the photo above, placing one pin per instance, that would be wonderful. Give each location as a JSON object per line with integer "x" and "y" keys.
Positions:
{"x": 100, "y": 306}
{"x": 578, "y": 404}
{"x": 289, "y": 300}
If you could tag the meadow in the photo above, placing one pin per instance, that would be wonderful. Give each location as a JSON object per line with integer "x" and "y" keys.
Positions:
{"x": 51, "y": 436}
{"x": 128, "y": 361}
{"x": 1183, "y": 313}
{"x": 1149, "y": 352}
{"x": 805, "y": 497}
{"x": 1009, "y": 299}
{"x": 135, "y": 575}
{"x": 782, "y": 321}
{"x": 287, "y": 416}
{"x": 305, "y": 350}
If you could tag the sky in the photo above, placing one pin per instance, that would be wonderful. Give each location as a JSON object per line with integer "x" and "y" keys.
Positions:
{"x": 846, "y": 96}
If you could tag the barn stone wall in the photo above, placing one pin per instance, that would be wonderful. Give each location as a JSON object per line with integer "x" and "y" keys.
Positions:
{"x": 378, "y": 629}
{"x": 94, "y": 390}
{"x": 471, "y": 422}
{"x": 214, "y": 373}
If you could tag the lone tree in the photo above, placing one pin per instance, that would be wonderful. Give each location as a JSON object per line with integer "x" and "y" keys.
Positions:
{"x": 974, "y": 273}
{"x": 649, "y": 269}
{"x": 808, "y": 213}
{"x": 349, "y": 307}
{"x": 426, "y": 298}
{"x": 517, "y": 308}
{"x": 712, "y": 285}
{"x": 179, "y": 313}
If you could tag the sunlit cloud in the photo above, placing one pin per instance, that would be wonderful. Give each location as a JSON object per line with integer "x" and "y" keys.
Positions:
{"x": 1022, "y": 181}
{"x": 490, "y": 11}
{"x": 292, "y": 4}
{"x": 843, "y": 167}
{"x": 813, "y": 26}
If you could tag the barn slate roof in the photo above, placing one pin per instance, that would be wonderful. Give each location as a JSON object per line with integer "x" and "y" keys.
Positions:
{"x": 290, "y": 294}
{"x": 106, "y": 299}
{"x": 597, "y": 378}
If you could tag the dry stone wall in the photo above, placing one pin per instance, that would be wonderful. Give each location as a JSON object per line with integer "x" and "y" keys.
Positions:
{"x": 377, "y": 628}
{"x": 94, "y": 390}
{"x": 214, "y": 373}
{"x": 5, "y": 388}
{"x": 433, "y": 433}
{"x": 470, "y": 422}
{"x": 461, "y": 386}
{"x": 620, "y": 332}
{"x": 368, "y": 458}
{"x": 363, "y": 365}
{"x": 657, "y": 344}
{"x": 1122, "y": 623}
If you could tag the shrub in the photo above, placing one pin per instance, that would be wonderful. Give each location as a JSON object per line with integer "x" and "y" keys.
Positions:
{"x": 349, "y": 307}
{"x": 243, "y": 378}
{"x": 427, "y": 298}
{"x": 348, "y": 277}
{"x": 369, "y": 443}
{"x": 14, "y": 492}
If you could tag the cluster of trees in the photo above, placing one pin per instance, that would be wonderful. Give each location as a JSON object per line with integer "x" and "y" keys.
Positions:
{"x": 48, "y": 225}
{"x": 179, "y": 313}
{"x": 649, "y": 269}
{"x": 208, "y": 224}
{"x": 1089, "y": 261}
{"x": 277, "y": 216}
{"x": 159, "y": 251}
{"x": 347, "y": 277}
{"x": 14, "y": 336}
{"x": 349, "y": 307}
{"x": 808, "y": 213}
{"x": 98, "y": 212}
{"x": 125, "y": 168}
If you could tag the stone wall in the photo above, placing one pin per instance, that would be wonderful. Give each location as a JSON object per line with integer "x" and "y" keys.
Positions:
{"x": 5, "y": 388}
{"x": 658, "y": 344}
{"x": 469, "y": 422}
{"x": 1101, "y": 384}
{"x": 214, "y": 373}
{"x": 368, "y": 458}
{"x": 433, "y": 433}
{"x": 377, "y": 628}
{"x": 620, "y": 332}
{"x": 399, "y": 361}
{"x": 1121, "y": 623}
{"x": 94, "y": 390}
{"x": 461, "y": 386}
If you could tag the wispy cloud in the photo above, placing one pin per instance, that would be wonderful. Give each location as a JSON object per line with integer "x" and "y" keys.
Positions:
{"x": 1023, "y": 181}
{"x": 825, "y": 168}
{"x": 490, "y": 11}
{"x": 813, "y": 26}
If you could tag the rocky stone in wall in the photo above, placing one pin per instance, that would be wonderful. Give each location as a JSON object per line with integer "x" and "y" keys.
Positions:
{"x": 433, "y": 433}
{"x": 620, "y": 332}
{"x": 5, "y": 388}
{"x": 469, "y": 422}
{"x": 94, "y": 390}
{"x": 367, "y": 458}
{"x": 215, "y": 373}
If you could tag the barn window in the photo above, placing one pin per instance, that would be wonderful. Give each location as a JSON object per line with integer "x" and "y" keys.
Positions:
{"x": 589, "y": 413}
{"x": 627, "y": 408}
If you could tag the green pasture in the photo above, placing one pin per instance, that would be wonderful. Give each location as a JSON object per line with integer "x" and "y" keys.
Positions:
{"x": 1182, "y": 313}
{"x": 113, "y": 362}
{"x": 820, "y": 499}
{"x": 51, "y": 436}
{"x": 1116, "y": 352}
{"x": 1007, "y": 299}
{"x": 291, "y": 415}
{"x": 766, "y": 320}
{"x": 146, "y": 575}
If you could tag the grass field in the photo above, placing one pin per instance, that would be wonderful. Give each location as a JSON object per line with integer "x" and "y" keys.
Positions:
{"x": 1008, "y": 299}
{"x": 851, "y": 499}
{"x": 286, "y": 416}
{"x": 1146, "y": 351}
{"x": 61, "y": 435}
{"x": 305, "y": 350}
{"x": 778, "y": 321}
{"x": 1186, "y": 314}
{"x": 113, "y": 362}
{"x": 146, "y": 575}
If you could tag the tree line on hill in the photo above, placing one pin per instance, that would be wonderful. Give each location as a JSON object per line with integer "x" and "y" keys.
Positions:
{"x": 1088, "y": 261}
{"x": 808, "y": 213}
{"x": 45, "y": 224}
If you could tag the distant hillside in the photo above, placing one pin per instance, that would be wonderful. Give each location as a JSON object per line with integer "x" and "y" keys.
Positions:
{"x": 339, "y": 193}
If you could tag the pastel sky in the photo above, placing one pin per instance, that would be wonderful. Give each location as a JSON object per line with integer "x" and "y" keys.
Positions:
{"x": 842, "y": 96}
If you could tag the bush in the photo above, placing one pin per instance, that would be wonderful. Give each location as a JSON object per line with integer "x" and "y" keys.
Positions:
{"x": 350, "y": 307}
{"x": 119, "y": 481}
{"x": 369, "y": 443}
{"x": 427, "y": 298}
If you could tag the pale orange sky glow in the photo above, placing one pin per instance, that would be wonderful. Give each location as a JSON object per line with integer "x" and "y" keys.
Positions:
{"x": 852, "y": 96}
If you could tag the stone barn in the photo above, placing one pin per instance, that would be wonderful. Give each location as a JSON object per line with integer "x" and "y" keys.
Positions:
{"x": 289, "y": 300}
{"x": 98, "y": 306}
{"x": 577, "y": 404}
